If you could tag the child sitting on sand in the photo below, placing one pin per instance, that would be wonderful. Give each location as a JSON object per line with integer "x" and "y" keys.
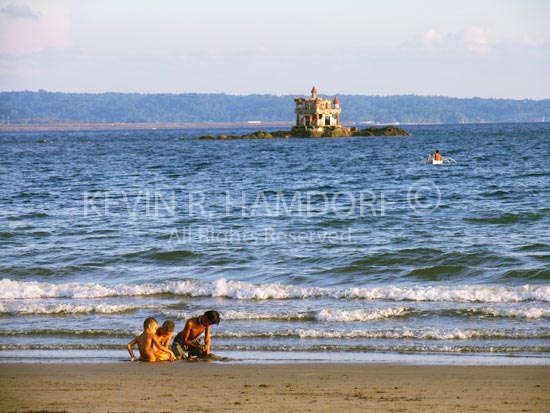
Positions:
{"x": 148, "y": 344}
{"x": 187, "y": 340}
{"x": 164, "y": 335}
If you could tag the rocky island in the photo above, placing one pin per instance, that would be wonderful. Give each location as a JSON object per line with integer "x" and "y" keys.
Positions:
{"x": 317, "y": 118}
{"x": 327, "y": 133}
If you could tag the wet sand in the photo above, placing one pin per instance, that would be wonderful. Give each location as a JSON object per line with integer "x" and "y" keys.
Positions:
{"x": 209, "y": 387}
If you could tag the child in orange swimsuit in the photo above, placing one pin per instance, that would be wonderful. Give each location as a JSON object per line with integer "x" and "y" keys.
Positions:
{"x": 148, "y": 344}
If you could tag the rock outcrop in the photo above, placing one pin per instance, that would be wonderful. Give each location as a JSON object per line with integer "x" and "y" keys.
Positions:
{"x": 384, "y": 131}
{"x": 327, "y": 132}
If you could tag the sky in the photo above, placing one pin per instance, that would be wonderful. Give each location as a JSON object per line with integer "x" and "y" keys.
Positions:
{"x": 462, "y": 48}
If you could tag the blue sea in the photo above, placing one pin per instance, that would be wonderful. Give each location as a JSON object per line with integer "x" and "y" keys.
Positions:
{"x": 336, "y": 249}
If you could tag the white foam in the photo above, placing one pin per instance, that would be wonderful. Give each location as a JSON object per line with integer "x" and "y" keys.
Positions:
{"x": 242, "y": 315}
{"x": 393, "y": 334}
{"x": 10, "y": 289}
{"x": 336, "y": 315}
{"x": 16, "y": 307}
{"x": 330, "y": 315}
{"x": 533, "y": 312}
{"x": 245, "y": 315}
{"x": 423, "y": 334}
{"x": 462, "y": 293}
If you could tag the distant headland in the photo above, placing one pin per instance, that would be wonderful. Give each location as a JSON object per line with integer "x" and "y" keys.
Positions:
{"x": 317, "y": 118}
{"x": 44, "y": 110}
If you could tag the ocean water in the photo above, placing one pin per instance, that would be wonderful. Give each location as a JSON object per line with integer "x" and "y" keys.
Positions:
{"x": 321, "y": 249}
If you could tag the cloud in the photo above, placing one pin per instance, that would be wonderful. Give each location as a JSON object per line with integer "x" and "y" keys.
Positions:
{"x": 432, "y": 39}
{"x": 535, "y": 42}
{"x": 21, "y": 36}
{"x": 476, "y": 40}
{"x": 21, "y": 11}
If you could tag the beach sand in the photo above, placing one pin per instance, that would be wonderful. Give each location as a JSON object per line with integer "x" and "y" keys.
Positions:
{"x": 209, "y": 387}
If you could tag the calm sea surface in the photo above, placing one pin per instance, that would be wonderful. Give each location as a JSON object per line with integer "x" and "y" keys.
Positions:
{"x": 321, "y": 249}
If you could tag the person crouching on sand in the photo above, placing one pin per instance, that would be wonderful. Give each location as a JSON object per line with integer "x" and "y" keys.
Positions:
{"x": 164, "y": 335}
{"x": 187, "y": 340}
{"x": 149, "y": 346}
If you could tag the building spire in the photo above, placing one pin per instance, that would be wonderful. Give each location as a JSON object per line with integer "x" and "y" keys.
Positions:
{"x": 314, "y": 92}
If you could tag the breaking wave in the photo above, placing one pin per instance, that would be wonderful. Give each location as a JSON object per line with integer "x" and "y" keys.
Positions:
{"x": 394, "y": 334}
{"x": 336, "y": 315}
{"x": 329, "y": 315}
{"x": 440, "y": 349}
{"x": 12, "y": 307}
{"x": 11, "y": 289}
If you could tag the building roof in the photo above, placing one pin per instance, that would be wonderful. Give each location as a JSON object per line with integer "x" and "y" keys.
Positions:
{"x": 314, "y": 90}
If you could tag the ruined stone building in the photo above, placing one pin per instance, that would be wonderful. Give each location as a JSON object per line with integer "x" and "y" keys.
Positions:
{"x": 317, "y": 113}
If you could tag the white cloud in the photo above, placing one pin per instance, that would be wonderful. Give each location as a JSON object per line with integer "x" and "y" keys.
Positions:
{"x": 473, "y": 40}
{"x": 535, "y": 42}
{"x": 476, "y": 40}
{"x": 433, "y": 39}
{"x": 22, "y": 11}
{"x": 24, "y": 31}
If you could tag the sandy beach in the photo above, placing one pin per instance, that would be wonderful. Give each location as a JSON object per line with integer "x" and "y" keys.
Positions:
{"x": 202, "y": 387}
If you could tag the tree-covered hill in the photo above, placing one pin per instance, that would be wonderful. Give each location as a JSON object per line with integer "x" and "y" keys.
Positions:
{"x": 42, "y": 106}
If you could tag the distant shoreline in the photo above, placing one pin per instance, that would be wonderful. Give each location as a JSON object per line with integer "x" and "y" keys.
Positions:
{"x": 43, "y": 107}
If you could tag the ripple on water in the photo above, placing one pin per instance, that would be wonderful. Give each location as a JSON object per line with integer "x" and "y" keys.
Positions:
{"x": 28, "y": 216}
{"x": 507, "y": 219}
{"x": 161, "y": 256}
